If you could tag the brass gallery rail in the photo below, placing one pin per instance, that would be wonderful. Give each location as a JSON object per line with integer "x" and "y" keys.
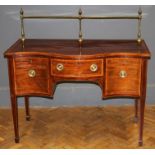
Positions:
{"x": 80, "y": 18}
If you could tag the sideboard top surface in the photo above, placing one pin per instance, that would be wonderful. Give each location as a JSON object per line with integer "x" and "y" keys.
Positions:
{"x": 99, "y": 48}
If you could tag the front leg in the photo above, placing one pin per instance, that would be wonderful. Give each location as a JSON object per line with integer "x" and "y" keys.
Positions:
{"x": 14, "y": 106}
{"x": 141, "y": 120}
{"x": 142, "y": 101}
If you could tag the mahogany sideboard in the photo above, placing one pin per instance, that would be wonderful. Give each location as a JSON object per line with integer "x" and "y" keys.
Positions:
{"x": 119, "y": 67}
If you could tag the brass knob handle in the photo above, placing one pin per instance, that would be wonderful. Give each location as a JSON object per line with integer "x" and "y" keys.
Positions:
{"x": 123, "y": 74}
{"x": 60, "y": 67}
{"x": 93, "y": 67}
{"x": 31, "y": 73}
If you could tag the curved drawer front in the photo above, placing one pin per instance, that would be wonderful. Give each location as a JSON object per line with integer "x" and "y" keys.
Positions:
{"x": 32, "y": 75}
{"x": 123, "y": 76}
{"x": 77, "y": 68}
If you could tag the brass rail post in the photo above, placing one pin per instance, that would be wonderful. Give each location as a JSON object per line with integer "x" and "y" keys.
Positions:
{"x": 80, "y": 26}
{"x": 139, "y": 25}
{"x": 22, "y": 27}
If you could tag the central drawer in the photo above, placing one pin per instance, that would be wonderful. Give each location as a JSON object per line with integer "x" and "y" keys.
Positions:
{"x": 77, "y": 68}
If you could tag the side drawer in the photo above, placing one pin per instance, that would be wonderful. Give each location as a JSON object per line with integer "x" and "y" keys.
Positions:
{"x": 77, "y": 68}
{"x": 122, "y": 76}
{"x": 32, "y": 75}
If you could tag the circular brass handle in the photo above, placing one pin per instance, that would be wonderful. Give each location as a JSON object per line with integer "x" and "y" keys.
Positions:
{"x": 60, "y": 67}
{"x": 93, "y": 67}
{"x": 32, "y": 73}
{"x": 123, "y": 74}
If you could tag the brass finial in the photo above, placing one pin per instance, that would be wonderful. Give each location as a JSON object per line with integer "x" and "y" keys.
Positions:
{"x": 140, "y": 12}
{"x": 21, "y": 12}
{"x": 80, "y": 12}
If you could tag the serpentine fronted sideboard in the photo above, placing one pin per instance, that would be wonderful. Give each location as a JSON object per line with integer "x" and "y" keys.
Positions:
{"x": 119, "y": 67}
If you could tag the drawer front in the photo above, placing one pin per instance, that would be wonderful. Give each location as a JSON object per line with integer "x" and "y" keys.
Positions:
{"x": 123, "y": 76}
{"x": 31, "y": 75}
{"x": 77, "y": 68}
{"x": 23, "y": 62}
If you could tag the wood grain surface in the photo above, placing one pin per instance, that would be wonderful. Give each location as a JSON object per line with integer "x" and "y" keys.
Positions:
{"x": 71, "y": 49}
{"x": 77, "y": 68}
{"x": 118, "y": 86}
{"x": 24, "y": 84}
{"x": 78, "y": 127}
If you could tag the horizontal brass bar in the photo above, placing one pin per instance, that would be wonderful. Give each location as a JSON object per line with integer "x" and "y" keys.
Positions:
{"x": 112, "y": 17}
{"x": 50, "y": 17}
{"x": 82, "y": 17}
